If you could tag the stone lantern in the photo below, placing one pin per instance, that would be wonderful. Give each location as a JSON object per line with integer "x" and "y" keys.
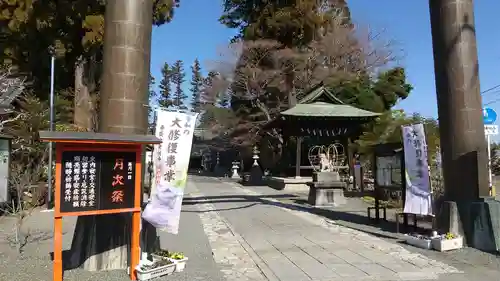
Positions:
{"x": 256, "y": 174}
{"x": 255, "y": 156}
{"x": 235, "y": 168}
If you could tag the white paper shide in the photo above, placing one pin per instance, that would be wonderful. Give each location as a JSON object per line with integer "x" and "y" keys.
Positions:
{"x": 170, "y": 161}
{"x": 418, "y": 189}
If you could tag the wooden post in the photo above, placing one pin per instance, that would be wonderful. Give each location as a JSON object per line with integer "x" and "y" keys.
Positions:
{"x": 57, "y": 263}
{"x": 298, "y": 157}
{"x": 135, "y": 249}
{"x": 403, "y": 192}
{"x": 376, "y": 188}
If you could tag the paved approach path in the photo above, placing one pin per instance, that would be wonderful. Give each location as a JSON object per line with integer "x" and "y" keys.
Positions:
{"x": 231, "y": 233}
{"x": 254, "y": 237}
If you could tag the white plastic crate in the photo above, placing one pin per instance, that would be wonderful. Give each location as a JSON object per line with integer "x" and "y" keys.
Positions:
{"x": 157, "y": 257}
{"x": 443, "y": 245}
{"x": 418, "y": 242}
{"x": 143, "y": 275}
{"x": 180, "y": 264}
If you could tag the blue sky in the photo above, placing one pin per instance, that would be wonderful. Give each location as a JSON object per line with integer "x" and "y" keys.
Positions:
{"x": 196, "y": 33}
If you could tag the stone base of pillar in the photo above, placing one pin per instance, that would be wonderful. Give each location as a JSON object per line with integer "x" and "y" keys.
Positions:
{"x": 320, "y": 197}
{"x": 478, "y": 222}
{"x": 326, "y": 193}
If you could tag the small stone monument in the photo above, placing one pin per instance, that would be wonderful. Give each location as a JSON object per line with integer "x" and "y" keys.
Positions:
{"x": 235, "y": 168}
{"x": 327, "y": 188}
{"x": 255, "y": 156}
{"x": 256, "y": 173}
{"x": 218, "y": 169}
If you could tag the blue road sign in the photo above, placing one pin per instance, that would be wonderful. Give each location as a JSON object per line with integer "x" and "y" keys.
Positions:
{"x": 489, "y": 116}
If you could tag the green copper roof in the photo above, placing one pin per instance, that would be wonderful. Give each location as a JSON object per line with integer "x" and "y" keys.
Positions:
{"x": 318, "y": 91}
{"x": 323, "y": 109}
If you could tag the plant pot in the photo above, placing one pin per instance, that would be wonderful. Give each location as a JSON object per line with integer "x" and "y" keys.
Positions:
{"x": 155, "y": 272}
{"x": 442, "y": 245}
{"x": 418, "y": 242}
{"x": 180, "y": 264}
{"x": 158, "y": 257}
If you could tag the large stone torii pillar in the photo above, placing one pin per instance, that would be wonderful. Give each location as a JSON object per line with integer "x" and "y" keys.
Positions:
{"x": 463, "y": 145}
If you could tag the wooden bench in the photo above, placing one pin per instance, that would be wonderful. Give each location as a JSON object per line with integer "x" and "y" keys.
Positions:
{"x": 377, "y": 212}
{"x": 399, "y": 215}
{"x": 415, "y": 219}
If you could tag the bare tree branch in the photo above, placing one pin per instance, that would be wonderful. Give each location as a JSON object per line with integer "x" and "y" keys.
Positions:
{"x": 10, "y": 120}
{"x": 11, "y": 86}
{"x": 266, "y": 74}
{"x": 23, "y": 178}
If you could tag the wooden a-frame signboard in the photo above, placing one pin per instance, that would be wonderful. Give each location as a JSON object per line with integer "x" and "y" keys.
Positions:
{"x": 97, "y": 174}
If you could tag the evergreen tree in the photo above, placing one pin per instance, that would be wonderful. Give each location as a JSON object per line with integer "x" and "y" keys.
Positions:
{"x": 196, "y": 85}
{"x": 292, "y": 23}
{"x": 151, "y": 101}
{"x": 178, "y": 76}
{"x": 74, "y": 30}
{"x": 223, "y": 100}
{"x": 495, "y": 159}
{"x": 207, "y": 95}
{"x": 165, "y": 99}
{"x": 210, "y": 77}
{"x": 151, "y": 92}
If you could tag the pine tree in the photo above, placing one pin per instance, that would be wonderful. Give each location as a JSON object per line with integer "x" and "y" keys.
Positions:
{"x": 495, "y": 159}
{"x": 196, "y": 85}
{"x": 151, "y": 100}
{"x": 178, "y": 76}
{"x": 220, "y": 99}
{"x": 151, "y": 92}
{"x": 206, "y": 93}
{"x": 292, "y": 23}
{"x": 223, "y": 100}
{"x": 165, "y": 99}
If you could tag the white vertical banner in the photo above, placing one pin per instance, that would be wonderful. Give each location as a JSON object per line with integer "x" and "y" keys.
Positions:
{"x": 171, "y": 163}
{"x": 418, "y": 188}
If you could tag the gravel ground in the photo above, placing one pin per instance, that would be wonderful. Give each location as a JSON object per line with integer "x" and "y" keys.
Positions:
{"x": 35, "y": 262}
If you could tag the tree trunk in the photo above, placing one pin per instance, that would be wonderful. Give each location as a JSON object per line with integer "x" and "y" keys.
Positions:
{"x": 103, "y": 242}
{"x": 99, "y": 242}
{"x": 84, "y": 109}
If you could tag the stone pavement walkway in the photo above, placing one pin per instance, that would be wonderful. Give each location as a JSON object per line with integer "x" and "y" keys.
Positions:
{"x": 232, "y": 233}
{"x": 193, "y": 242}
{"x": 255, "y": 237}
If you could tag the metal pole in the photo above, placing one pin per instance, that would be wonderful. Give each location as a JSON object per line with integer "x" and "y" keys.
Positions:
{"x": 490, "y": 176}
{"x": 51, "y": 128}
